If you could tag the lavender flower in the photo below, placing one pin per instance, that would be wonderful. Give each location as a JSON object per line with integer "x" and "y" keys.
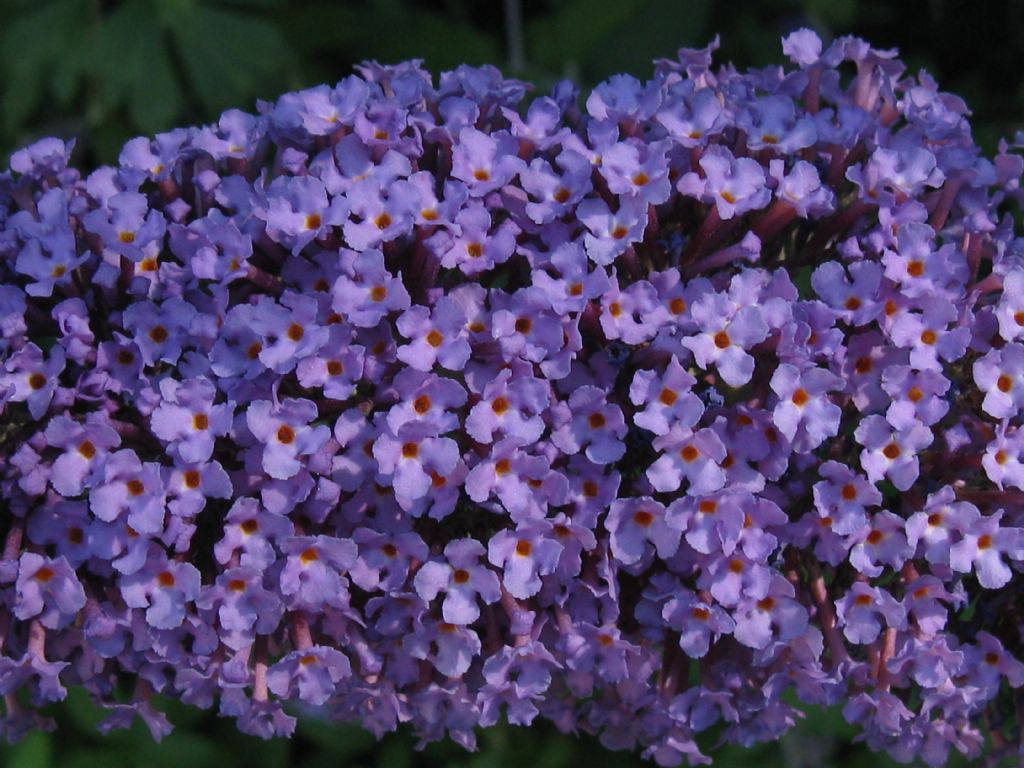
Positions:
{"x": 415, "y": 401}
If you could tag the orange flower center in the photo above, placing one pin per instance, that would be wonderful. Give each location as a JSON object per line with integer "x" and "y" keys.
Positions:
{"x": 643, "y": 518}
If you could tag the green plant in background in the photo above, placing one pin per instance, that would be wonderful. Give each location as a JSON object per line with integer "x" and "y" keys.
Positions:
{"x": 203, "y": 741}
{"x": 107, "y": 70}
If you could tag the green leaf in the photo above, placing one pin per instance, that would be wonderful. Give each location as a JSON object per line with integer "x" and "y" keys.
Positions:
{"x": 656, "y": 30}
{"x": 573, "y": 33}
{"x": 31, "y": 45}
{"x": 34, "y": 751}
{"x": 391, "y": 32}
{"x": 133, "y": 68}
{"x": 229, "y": 57}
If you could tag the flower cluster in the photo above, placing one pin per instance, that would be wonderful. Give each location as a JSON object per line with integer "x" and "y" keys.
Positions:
{"x": 414, "y": 401}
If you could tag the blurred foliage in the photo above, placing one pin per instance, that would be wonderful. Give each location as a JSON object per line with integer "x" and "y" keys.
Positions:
{"x": 107, "y": 70}
{"x": 201, "y": 740}
{"x": 104, "y": 71}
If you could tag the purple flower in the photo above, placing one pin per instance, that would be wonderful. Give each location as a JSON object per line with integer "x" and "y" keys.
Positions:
{"x": 883, "y": 541}
{"x": 297, "y": 211}
{"x": 475, "y": 245}
{"x": 384, "y": 560}
{"x": 924, "y": 602}
{"x": 843, "y": 497}
{"x": 732, "y": 579}
{"x": 510, "y": 406}
{"x": 801, "y": 187}
{"x": 610, "y": 233}
{"x": 712, "y": 523}
{"x": 437, "y": 336}
{"x": 31, "y": 379}
{"x": 1000, "y": 375}
{"x": 804, "y": 413}
{"x": 1010, "y": 309}
{"x": 668, "y": 399}
{"x": 254, "y": 531}
{"x": 244, "y": 607}
{"x": 520, "y": 480}
{"x": 855, "y": 299}
{"x": 288, "y": 331}
{"x": 983, "y": 546}
{"x": 595, "y": 425}
{"x": 313, "y": 573}
{"x": 188, "y": 420}
{"x": 412, "y": 456}
{"x": 627, "y": 314}
{"x": 370, "y": 293}
{"x": 697, "y": 622}
{"x": 47, "y": 589}
{"x": 862, "y": 610}
{"x": 771, "y": 123}
{"x": 555, "y": 194}
{"x": 337, "y": 366}
{"x": 131, "y": 490}
{"x": 636, "y": 526}
{"x": 285, "y": 434}
{"x": 936, "y": 526}
{"x": 889, "y": 453}
{"x": 525, "y": 554}
{"x": 472, "y": 406}
{"x": 928, "y": 337}
{"x": 691, "y": 115}
{"x": 450, "y": 647}
{"x": 311, "y": 674}
{"x": 734, "y": 185}
{"x": 776, "y": 617}
{"x": 461, "y": 578}
{"x": 383, "y": 217}
{"x": 637, "y": 171}
{"x": 162, "y": 587}
{"x": 127, "y": 226}
{"x": 85, "y": 447}
{"x": 726, "y": 333}
{"x": 485, "y": 162}
{"x": 160, "y": 331}
{"x": 694, "y": 456}
{"x": 427, "y": 401}
{"x": 916, "y": 396}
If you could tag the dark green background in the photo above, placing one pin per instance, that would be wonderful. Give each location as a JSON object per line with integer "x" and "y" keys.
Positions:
{"x": 105, "y": 71}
